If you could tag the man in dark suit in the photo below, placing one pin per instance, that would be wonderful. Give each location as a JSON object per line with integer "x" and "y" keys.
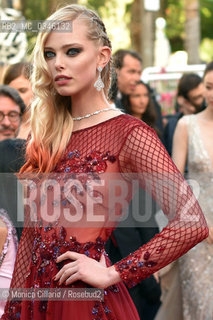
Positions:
{"x": 12, "y": 158}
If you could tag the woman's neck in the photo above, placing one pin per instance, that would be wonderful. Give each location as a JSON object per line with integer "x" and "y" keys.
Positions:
{"x": 207, "y": 114}
{"x": 87, "y": 103}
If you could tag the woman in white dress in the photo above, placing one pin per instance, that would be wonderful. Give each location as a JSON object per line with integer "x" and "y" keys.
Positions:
{"x": 193, "y": 143}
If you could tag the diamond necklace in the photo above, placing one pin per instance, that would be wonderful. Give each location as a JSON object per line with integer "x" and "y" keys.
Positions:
{"x": 92, "y": 114}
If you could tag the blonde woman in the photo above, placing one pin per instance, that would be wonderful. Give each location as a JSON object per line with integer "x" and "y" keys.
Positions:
{"x": 78, "y": 140}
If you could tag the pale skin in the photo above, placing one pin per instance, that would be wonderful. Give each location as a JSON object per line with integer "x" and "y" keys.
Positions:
{"x": 194, "y": 102}
{"x": 185, "y": 106}
{"x": 139, "y": 100}
{"x": 23, "y": 86}
{"x": 84, "y": 268}
{"x": 205, "y": 122}
{"x": 8, "y": 128}
{"x": 3, "y": 234}
{"x": 74, "y": 56}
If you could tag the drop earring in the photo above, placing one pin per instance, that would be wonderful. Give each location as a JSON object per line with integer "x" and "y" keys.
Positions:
{"x": 99, "y": 83}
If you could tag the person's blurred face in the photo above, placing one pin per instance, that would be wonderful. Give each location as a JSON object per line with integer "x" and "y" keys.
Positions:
{"x": 196, "y": 96}
{"x": 129, "y": 74}
{"x": 208, "y": 88}
{"x": 23, "y": 86}
{"x": 194, "y": 102}
{"x": 10, "y": 114}
{"x": 139, "y": 100}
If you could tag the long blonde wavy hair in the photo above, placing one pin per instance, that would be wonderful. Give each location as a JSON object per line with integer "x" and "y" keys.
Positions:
{"x": 51, "y": 121}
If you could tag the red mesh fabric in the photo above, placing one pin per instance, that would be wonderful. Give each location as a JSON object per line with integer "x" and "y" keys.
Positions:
{"x": 142, "y": 153}
{"x": 23, "y": 259}
{"x": 23, "y": 255}
{"x": 127, "y": 146}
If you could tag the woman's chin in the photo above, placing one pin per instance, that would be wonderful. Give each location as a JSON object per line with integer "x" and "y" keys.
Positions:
{"x": 65, "y": 92}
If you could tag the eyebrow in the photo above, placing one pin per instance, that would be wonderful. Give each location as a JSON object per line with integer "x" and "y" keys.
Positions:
{"x": 66, "y": 46}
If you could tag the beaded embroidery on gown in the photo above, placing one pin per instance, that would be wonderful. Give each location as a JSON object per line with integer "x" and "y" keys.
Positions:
{"x": 127, "y": 148}
{"x": 197, "y": 264}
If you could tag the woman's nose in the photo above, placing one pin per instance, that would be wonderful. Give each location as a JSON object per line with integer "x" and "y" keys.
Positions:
{"x": 59, "y": 63}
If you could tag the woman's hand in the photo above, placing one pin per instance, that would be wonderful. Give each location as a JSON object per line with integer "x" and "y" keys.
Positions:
{"x": 87, "y": 270}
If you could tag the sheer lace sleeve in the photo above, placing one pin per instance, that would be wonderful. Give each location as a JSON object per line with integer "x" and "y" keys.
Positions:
{"x": 24, "y": 254}
{"x": 143, "y": 156}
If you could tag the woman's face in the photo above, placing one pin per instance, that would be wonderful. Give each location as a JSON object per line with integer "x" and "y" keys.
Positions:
{"x": 72, "y": 60}
{"x": 139, "y": 100}
{"x": 23, "y": 86}
{"x": 208, "y": 88}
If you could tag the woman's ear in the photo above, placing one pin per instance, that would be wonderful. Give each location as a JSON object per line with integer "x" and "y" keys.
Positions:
{"x": 103, "y": 56}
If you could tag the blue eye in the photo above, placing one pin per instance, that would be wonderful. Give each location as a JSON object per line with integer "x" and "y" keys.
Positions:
{"x": 49, "y": 54}
{"x": 73, "y": 51}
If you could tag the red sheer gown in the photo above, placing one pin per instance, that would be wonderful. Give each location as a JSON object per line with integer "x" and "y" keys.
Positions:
{"x": 119, "y": 149}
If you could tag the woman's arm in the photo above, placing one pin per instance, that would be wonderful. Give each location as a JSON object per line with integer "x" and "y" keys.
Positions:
{"x": 180, "y": 145}
{"x": 144, "y": 157}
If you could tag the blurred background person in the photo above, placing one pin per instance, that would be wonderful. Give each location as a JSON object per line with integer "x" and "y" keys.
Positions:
{"x": 12, "y": 109}
{"x": 193, "y": 143}
{"x": 190, "y": 100}
{"x": 128, "y": 68}
{"x": 12, "y": 156}
{"x": 141, "y": 105}
{"x": 8, "y": 249}
{"x": 127, "y": 72}
{"x": 190, "y": 94}
{"x": 12, "y": 148}
{"x": 17, "y": 76}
